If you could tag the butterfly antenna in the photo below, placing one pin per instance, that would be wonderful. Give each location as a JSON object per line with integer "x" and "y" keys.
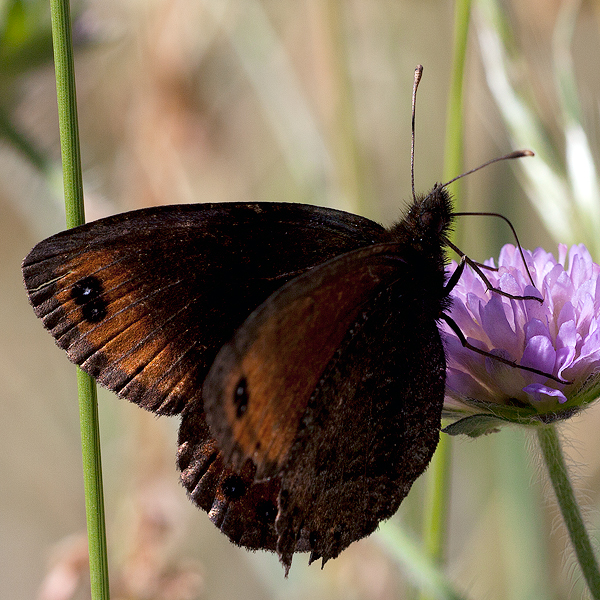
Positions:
{"x": 510, "y": 155}
{"x": 418, "y": 74}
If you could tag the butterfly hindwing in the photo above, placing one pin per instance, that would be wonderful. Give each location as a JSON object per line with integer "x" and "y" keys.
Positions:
{"x": 303, "y": 368}
{"x": 243, "y": 509}
{"x": 369, "y": 430}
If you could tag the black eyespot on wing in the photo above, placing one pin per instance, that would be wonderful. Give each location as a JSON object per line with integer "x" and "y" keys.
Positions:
{"x": 241, "y": 398}
{"x": 86, "y": 289}
{"x": 233, "y": 487}
{"x": 87, "y": 293}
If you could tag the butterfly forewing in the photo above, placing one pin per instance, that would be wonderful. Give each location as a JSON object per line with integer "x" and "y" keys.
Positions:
{"x": 143, "y": 301}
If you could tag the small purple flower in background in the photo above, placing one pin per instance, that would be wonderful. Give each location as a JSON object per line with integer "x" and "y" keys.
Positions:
{"x": 560, "y": 336}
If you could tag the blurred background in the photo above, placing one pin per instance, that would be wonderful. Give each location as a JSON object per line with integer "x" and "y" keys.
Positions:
{"x": 278, "y": 100}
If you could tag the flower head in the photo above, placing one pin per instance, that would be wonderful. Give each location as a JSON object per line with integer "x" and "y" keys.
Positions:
{"x": 560, "y": 336}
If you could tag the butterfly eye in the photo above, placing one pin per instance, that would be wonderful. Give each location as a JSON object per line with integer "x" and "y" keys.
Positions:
{"x": 426, "y": 219}
{"x": 240, "y": 398}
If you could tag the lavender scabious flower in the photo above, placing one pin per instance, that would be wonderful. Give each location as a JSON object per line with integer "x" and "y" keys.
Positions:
{"x": 560, "y": 336}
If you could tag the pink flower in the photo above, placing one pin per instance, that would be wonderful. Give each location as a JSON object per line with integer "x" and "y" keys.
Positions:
{"x": 560, "y": 336}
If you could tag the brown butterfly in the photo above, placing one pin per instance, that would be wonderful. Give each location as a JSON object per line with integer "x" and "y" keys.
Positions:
{"x": 305, "y": 336}
{"x": 299, "y": 345}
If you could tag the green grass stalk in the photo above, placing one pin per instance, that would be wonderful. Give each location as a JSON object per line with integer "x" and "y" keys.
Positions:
{"x": 73, "y": 189}
{"x": 438, "y": 474}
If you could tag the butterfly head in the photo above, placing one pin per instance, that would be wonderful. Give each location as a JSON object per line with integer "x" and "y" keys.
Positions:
{"x": 427, "y": 221}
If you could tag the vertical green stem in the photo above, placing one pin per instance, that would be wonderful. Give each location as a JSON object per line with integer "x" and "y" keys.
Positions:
{"x": 453, "y": 148}
{"x": 557, "y": 470}
{"x": 438, "y": 481}
{"x": 67, "y": 111}
{"x": 73, "y": 187}
{"x": 349, "y": 164}
{"x": 92, "y": 479}
{"x": 436, "y": 501}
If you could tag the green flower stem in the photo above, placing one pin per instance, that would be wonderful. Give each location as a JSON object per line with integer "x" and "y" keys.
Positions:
{"x": 436, "y": 501}
{"x": 453, "y": 148}
{"x": 92, "y": 480}
{"x": 73, "y": 187}
{"x": 67, "y": 111}
{"x": 557, "y": 469}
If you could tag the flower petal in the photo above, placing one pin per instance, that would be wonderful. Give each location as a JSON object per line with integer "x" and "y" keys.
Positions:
{"x": 559, "y": 336}
{"x": 541, "y": 393}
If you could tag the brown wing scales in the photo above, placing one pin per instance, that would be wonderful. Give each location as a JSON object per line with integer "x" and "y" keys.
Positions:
{"x": 276, "y": 358}
{"x": 329, "y": 388}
